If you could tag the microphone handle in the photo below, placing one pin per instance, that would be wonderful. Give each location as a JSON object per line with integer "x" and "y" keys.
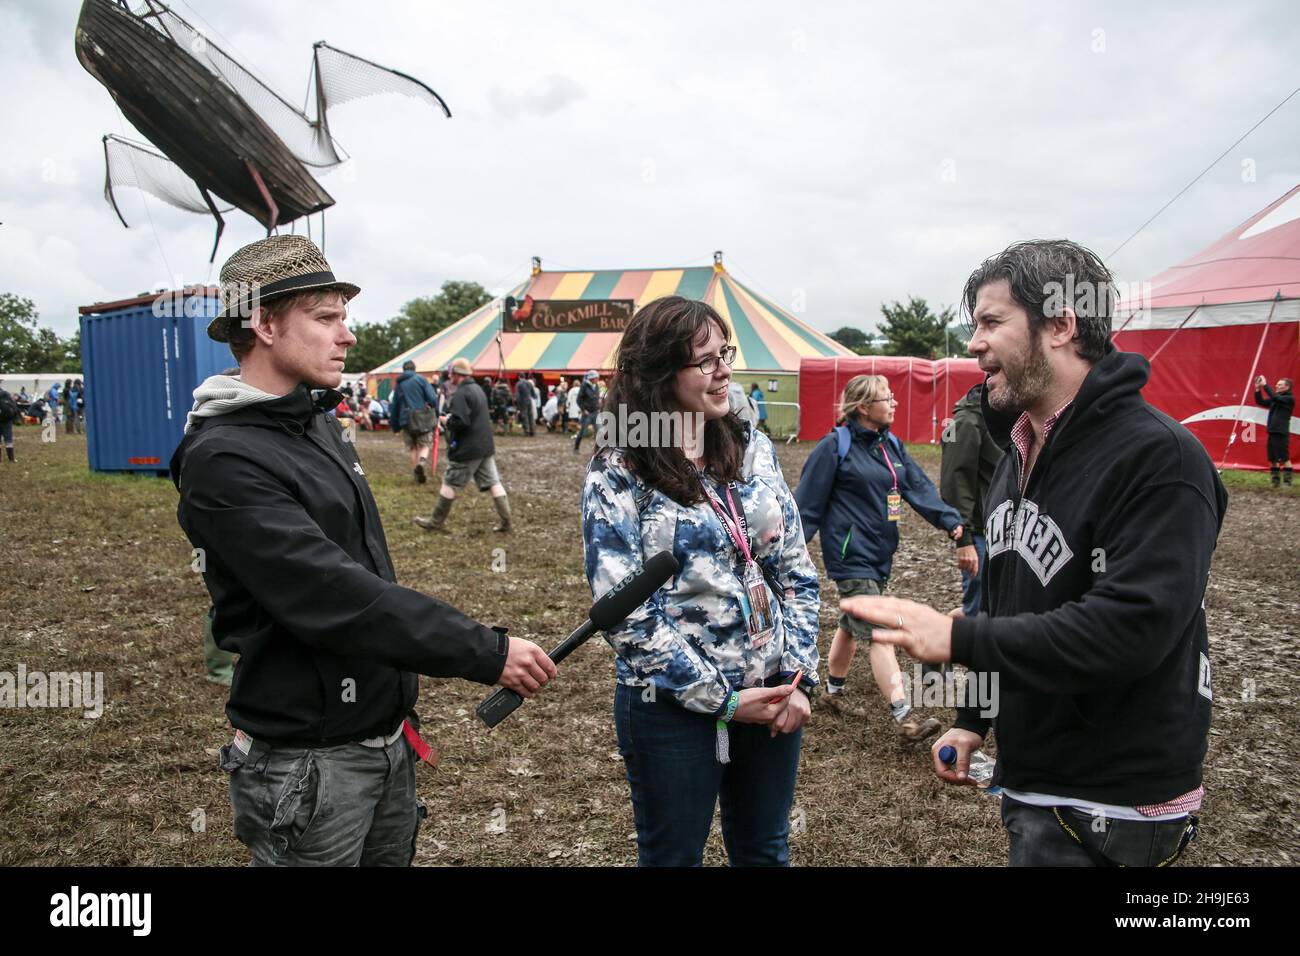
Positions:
{"x": 573, "y": 641}
{"x": 503, "y": 701}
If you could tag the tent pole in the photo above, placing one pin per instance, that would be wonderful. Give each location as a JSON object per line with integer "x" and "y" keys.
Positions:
{"x": 1187, "y": 318}
{"x": 1250, "y": 381}
{"x": 909, "y": 396}
{"x": 835, "y": 380}
{"x": 947, "y": 387}
{"x": 1114, "y": 335}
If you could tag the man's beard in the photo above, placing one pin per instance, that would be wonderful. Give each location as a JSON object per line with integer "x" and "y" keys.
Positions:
{"x": 1025, "y": 381}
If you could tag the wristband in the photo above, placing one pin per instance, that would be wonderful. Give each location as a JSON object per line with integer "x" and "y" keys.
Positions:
{"x": 732, "y": 703}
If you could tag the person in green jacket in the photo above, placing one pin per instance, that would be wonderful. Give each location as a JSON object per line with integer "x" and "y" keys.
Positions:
{"x": 969, "y": 457}
{"x": 221, "y": 664}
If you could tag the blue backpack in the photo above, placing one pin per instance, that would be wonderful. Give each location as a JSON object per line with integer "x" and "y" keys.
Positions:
{"x": 843, "y": 439}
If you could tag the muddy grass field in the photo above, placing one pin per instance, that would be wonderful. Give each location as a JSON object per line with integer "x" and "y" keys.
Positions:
{"x": 98, "y": 579}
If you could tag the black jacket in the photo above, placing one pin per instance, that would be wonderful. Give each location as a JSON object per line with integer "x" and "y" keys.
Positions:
{"x": 329, "y": 644}
{"x": 525, "y": 392}
{"x": 588, "y": 398}
{"x": 969, "y": 457}
{"x": 1093, "y": 599}
{"x": 1280, "y": 409}
{"x": 469, "y": 426}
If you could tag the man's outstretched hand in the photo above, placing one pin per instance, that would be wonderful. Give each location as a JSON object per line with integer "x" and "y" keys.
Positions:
{"x": 923, "y": 632}
{"x": 527, "y": 669}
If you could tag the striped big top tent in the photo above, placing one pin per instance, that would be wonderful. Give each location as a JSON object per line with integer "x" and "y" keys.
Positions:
{"x": 767, "y": 337}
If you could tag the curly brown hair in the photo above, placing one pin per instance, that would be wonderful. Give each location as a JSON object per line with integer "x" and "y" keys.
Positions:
{"x": 657, "y": 344}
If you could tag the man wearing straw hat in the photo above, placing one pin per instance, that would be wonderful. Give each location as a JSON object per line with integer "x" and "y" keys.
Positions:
{"x": 292, "y": 549}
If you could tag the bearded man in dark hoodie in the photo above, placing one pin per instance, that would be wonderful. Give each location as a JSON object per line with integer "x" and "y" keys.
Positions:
{"x": 1102, "y": 521}
{"x": 278, "y": 508}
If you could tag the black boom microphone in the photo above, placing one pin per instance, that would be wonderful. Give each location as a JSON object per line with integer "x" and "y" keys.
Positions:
{"x": 616, "y": 604}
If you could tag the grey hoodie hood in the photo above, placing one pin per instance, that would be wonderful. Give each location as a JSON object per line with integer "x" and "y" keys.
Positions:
{"x": 222, "y": 394}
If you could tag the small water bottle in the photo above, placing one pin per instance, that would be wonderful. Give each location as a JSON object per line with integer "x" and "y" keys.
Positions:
{"x": 981, "y": 767}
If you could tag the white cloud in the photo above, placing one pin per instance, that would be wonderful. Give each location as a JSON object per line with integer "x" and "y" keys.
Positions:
{"x": 543, "y": 96}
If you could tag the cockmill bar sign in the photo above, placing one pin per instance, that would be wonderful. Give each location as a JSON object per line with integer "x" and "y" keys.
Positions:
{"x": 569, "y": 315}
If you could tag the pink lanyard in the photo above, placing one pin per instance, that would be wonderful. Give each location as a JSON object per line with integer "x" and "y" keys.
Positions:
{"x": 884, "y": 450}
{"x": 729, "y": 521}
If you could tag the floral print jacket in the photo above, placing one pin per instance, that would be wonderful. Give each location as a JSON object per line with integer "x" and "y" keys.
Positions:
{"x": 689, "y": 641}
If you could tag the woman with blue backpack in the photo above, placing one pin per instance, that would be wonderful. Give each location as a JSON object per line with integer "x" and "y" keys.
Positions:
{"x": 852, "y": 490}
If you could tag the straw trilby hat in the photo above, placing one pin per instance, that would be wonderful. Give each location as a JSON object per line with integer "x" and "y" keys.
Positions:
{"x": 269, "y": 268}
{"x": 461, "y": 366}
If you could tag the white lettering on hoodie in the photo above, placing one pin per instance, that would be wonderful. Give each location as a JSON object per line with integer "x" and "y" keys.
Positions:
{"x": 1031, "y": 534}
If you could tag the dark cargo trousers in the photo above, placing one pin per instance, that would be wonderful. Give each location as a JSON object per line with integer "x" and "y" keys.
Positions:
{"x": 349, "y": 805}
{"x": 1038, "y": 836}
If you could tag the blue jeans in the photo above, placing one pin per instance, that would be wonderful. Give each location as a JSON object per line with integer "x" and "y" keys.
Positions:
{"x": 676, "y": 781}
{"x": 588, "y": 418}
{"x": 970, "y": 583}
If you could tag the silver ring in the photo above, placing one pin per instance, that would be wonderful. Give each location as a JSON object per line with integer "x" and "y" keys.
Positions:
{"x": 900, "y": 622}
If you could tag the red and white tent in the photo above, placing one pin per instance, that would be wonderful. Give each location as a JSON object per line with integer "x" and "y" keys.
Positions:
{"x": 1213, "y": 322}
{"x": 926, "y": 391}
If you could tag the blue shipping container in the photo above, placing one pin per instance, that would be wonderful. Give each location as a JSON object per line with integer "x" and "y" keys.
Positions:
{"x": 142, "y": 359}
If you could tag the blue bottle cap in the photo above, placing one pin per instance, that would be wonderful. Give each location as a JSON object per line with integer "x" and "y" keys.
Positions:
{"x": 948, "y": 754}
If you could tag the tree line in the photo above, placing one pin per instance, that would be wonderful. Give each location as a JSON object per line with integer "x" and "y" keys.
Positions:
{"x": 913, "y": 329}
{"x": 378, "y": 342}
{"x": 908, "y": 329}
{"x": 27, "y": 346}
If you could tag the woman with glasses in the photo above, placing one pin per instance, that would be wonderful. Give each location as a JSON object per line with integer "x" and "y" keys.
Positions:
{"x": 852, "y": 490}
{"x": 716, "y": 670}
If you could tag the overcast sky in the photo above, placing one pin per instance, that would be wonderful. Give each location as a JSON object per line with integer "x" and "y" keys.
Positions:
{"x": 840, "y": 154}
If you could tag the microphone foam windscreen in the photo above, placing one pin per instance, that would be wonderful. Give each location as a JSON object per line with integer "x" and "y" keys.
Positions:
{"x": 633, "y": 591}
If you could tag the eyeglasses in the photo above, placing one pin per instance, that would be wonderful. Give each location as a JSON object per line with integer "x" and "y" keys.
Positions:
{"x": 888, "y": 401}
{"x": 708, "y": 366}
